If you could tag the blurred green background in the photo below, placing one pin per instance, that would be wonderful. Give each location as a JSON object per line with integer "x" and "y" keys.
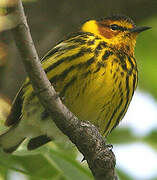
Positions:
{"x": 50, "y": 21}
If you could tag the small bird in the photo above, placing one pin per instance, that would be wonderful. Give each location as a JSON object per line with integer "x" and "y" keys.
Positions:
{"x": 95, "y": 73}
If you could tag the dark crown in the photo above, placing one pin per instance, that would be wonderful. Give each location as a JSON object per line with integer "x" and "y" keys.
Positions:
{"x": 120, "y": 17}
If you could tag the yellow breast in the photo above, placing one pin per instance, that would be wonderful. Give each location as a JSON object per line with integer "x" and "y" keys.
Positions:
{"x": 99, "y": 86}
{"x": 94, "y": 81}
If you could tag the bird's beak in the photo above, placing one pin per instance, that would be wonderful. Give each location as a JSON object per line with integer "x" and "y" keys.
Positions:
{"x": 139, "y": 29}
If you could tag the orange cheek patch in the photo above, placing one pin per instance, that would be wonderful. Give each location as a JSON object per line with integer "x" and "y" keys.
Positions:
{"x": 106, "y": 32}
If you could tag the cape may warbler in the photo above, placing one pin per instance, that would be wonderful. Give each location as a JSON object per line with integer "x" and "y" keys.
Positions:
{"x": 95, "y": 73}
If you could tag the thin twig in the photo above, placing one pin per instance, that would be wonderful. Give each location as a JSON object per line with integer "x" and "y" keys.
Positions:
{"x": 84, "y": 135}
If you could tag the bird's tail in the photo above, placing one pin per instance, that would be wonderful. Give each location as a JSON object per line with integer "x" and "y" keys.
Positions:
{"x": 11, "y": 139}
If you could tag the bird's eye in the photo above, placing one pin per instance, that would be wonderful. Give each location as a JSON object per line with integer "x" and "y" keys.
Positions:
{"x": 115, "y": 27}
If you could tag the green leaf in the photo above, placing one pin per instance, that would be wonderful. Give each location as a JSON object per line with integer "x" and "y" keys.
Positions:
{"x": 151, "y": 139}
{"x": 121, "y": 136}
{"x": 3, "y": 172}
{"x": 71, "y": 168}
{"x": 155, "y": 178}
{"x": 35, "y": 166}
{"x": 48, "y": 162}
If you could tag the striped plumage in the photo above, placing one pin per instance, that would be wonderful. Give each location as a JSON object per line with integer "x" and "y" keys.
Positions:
{"x": 95, "y": 74}
{"x": 109, "y": 79}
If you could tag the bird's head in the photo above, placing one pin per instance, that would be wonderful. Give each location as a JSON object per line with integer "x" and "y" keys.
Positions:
{"x": 119, "y": 32}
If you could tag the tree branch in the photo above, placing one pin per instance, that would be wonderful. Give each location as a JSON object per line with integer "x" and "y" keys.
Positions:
{"x": 84, "y": 135}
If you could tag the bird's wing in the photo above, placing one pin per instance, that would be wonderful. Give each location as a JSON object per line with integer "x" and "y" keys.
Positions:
{"x": 67, "y": 44}
{"x": 15, "y": 113}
